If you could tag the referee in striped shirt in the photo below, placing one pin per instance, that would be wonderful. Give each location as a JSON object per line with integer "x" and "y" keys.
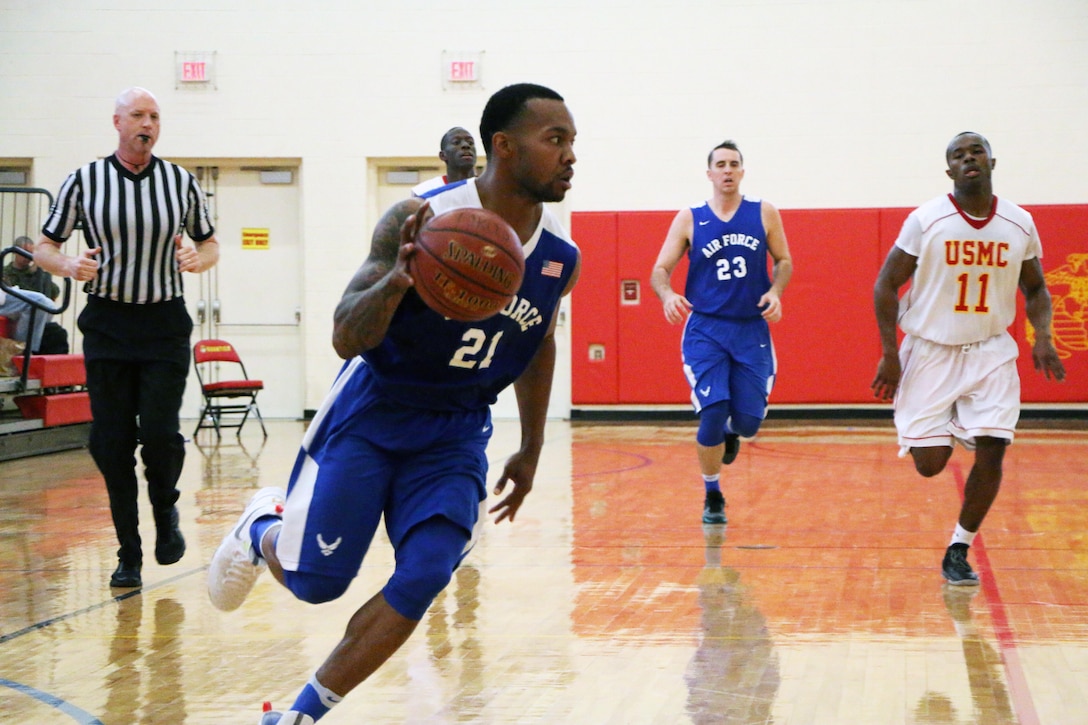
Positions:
{"x": 133, "y": 208}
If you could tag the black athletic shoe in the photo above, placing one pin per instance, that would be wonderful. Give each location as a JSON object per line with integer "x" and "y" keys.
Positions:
{"x": 955, "y": 567}
{"x": 169, "y": 543}
{"x": 732, "y": 448}
{"x": 714, "y": 508}
{"x": 126, "y": 575}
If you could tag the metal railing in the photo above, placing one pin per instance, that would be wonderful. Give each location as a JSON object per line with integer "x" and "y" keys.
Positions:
{"x": 22, "y": 211}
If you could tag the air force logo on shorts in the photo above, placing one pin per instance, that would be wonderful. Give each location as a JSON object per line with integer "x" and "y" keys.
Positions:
{"x": 328, "y": 549}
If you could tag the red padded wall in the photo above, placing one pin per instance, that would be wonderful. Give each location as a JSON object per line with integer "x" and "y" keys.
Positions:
{"x": 650, "y": 368}
{"x": 827, "y": 342}
{"x": 593, "y": 310}
{"x": 1065, "y": 264}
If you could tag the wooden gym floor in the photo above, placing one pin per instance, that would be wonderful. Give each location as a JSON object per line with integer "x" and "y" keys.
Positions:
{"x": 606, "y": 602}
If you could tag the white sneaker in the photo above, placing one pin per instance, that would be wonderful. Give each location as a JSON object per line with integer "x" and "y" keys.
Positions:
{"x": 235, "y": 567}
{"x": 274, "y": 717}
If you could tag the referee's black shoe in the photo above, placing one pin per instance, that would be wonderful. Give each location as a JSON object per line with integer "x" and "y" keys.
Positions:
{"x": 126, "y": 575}
{"x": 169, "y": 543}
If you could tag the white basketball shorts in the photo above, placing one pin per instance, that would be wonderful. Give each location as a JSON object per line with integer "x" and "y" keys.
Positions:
{"x": 956, "y": 392}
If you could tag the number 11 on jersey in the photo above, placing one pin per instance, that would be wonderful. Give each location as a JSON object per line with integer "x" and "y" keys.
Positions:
{"x": 964, "y": 283}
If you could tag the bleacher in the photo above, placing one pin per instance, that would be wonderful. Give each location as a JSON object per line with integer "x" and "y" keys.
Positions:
{"x": 49, "y": 411}
{"x": 44, "y": 406}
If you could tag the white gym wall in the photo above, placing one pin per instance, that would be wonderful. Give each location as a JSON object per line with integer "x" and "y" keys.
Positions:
{"x": 837, "y": 103}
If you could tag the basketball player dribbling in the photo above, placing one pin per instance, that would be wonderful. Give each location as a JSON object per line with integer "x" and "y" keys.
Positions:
{"x": 955, "y": 378}
{"x": 403, "y": 432}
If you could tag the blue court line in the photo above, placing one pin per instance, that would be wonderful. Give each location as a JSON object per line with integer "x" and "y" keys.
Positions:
{"x": 80, "y": 716}
{"x": 120, "y": 597}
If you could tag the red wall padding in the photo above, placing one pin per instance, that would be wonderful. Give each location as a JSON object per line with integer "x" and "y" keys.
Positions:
{"x": 594, "y": 310}
{"x": 648, "y": 346}
{"x": 1064, "y": 231}
{"x": 626, "y": 353}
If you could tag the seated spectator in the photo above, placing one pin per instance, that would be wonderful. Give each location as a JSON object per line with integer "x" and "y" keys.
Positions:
{"x": 18, "y": 312}
{"x": 21, "y": 272}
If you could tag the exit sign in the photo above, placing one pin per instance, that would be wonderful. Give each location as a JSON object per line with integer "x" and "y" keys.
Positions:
{"x": 194, "y": 72}
{"x": 461, "y": 71}
{"x": 194, "y": 69}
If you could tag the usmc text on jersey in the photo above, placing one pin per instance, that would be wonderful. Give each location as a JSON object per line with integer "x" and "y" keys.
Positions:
{"x": 974, "y": 252}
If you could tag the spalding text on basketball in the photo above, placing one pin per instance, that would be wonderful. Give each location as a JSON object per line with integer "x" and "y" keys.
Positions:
{"x": 461, "y": 297}
{"x": 482, "y": 262}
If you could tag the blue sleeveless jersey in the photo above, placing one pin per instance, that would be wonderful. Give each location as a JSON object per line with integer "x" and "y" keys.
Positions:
{"x": 429, "y": 361}
{"x": 727, "y": 273}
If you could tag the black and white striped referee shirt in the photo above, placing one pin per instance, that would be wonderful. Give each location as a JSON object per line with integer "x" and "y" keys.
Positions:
{"x": 133, "y": 218}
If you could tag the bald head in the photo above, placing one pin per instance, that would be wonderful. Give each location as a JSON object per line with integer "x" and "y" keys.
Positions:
{"x": 130, "y": 96}
{"x": 136, "y": 118}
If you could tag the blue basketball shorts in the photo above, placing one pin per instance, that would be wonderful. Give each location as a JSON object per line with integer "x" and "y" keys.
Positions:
{"x": 365, "y": 457}
{"x": 729, "y": 360}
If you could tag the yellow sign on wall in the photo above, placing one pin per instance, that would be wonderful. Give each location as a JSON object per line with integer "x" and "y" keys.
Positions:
{"x": 255, "y": 239}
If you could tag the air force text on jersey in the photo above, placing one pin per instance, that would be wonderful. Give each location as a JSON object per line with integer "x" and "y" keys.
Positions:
{"x": 522, "y": 311}
{"x": 729, "y": 240}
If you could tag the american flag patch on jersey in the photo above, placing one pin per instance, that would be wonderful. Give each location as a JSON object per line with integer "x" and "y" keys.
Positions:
{"x": 552, "y": 268}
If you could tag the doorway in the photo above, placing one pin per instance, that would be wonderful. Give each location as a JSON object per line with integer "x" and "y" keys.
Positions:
{"x": 253, "y": 297}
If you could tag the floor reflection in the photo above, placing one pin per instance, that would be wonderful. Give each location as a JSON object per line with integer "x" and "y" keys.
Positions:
{"x": 455, "y": 649}
{"x": 733, "y": 676}
{"x": 124, "y": 678}
{"x": 985, "y": 668}
{"x": 605, "y": 602}
{"x": 166, "y": 696}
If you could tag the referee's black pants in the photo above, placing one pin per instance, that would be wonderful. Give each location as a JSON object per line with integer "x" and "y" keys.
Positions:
{"x": 137, "y": 359}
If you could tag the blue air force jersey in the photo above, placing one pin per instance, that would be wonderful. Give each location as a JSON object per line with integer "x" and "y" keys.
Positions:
{"x": 429, "y": 361}
{"x": 727, "y": 271}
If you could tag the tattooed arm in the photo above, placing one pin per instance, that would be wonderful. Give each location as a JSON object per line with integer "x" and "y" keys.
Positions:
{"x": 363, "y": 315}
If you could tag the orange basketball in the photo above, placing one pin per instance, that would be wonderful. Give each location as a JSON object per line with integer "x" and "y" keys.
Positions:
{"x": 468, "y": 264}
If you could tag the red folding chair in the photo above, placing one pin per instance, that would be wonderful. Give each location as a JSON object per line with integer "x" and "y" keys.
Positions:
{"x": 232, "y": 398}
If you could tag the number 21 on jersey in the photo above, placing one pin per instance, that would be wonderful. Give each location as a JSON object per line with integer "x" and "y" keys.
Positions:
{"x": 468, "y": 355}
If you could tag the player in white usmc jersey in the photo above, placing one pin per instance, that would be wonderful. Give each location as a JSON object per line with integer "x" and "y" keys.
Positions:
{"x": 955, "y": 376}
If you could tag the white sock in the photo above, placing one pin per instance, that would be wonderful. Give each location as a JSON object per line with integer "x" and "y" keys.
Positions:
{"x": 328, "y": 698}
{"x": 962, "y": 536}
